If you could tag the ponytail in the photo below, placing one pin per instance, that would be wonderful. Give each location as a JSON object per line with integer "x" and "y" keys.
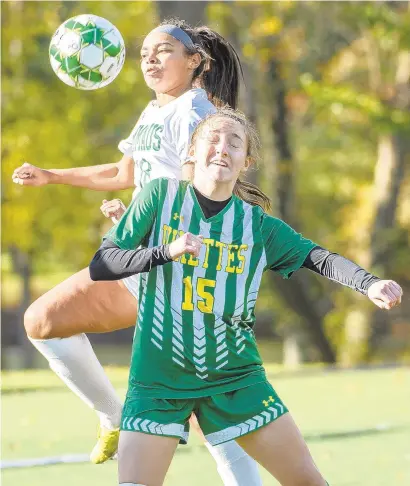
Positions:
{"x": 222, "y": 78}
{"x": 251, "y": 194}
{"x": 220, "y": 69}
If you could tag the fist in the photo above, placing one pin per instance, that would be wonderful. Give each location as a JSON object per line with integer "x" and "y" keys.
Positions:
{"x": 113, "y": 209}
{"x": 30, "y": 175}
{"x": 187, "y": 243}
{"x": 385, "y": 294}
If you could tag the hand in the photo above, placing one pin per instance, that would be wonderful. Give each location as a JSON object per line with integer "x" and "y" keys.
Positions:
{"x": 385, "y": 294}
{"x": 30, "y": 175}
{"x": 113, "y": 209}
{"x": 187, "y": 243}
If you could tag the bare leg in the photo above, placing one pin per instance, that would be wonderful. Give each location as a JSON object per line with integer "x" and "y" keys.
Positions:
{"x": 279, "y": 447}
{"x": 143, "y": 458}
{"x": 73, "y": 307}
{"x": 80, "y": 305}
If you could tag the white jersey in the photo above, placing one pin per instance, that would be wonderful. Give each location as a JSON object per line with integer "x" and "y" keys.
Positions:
{"x": 160, "y": 140}
{"x": 159, "y": 143}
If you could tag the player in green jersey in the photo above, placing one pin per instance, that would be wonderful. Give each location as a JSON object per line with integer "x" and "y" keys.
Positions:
{"x": 206, "y": 245}
{"x": 189, "y": 69}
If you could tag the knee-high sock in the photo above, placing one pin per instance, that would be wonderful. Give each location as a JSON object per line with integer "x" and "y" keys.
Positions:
{"x": 74, "y": 361}
{"x": 235, "y": 467}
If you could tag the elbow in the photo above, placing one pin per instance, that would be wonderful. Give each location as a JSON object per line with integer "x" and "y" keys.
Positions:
{"x": 95, "y": 269}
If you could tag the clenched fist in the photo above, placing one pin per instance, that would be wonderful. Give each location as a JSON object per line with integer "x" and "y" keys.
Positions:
{"x": 113, "y": 209}
{"x": 385, "y": 294}
{"x": 30, "y": 175}
{"x": 187, "y": 243}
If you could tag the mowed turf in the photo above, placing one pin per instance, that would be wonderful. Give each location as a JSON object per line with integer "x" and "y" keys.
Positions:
{"x": 356, "y": 423}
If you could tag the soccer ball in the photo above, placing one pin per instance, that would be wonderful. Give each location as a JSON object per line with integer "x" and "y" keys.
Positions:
{"x": 87, "y": 52}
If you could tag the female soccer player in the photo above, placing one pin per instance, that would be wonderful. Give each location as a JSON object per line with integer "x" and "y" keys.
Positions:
{"x": 205, "y": 251}
{"x": 174, "y": 57}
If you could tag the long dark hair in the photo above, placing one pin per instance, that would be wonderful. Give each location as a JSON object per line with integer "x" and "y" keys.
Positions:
{"x": 246, "y": 191}
{"x": 220, "y": 69}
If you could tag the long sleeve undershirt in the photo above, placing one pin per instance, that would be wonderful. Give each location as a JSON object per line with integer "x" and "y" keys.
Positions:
{"x": 112, "y": 263}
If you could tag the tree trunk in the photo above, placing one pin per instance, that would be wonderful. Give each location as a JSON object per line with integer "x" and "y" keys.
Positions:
{"x": 22, "y": 267}
{"x": 393, "y": 148}
{"x": 295, "y": 292}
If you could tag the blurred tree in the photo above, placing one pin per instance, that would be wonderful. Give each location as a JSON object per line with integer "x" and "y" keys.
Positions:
{"x": 50, "y": 124}
{"x": 316, "y": 90}
{"x": 369, "y": 83}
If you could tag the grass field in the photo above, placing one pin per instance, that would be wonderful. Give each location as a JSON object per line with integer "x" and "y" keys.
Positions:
{"x": 357, "y": 425}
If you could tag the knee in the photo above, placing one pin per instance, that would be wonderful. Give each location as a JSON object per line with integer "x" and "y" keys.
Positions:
{"x": 37, "y": 322}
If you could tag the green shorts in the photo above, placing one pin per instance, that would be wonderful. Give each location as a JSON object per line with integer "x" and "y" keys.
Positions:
{"x": 222, "y": 418}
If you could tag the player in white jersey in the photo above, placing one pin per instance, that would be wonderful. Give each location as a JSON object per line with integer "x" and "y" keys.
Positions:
{"x": 175, "y": 58}
{"x": 204, "y": 250}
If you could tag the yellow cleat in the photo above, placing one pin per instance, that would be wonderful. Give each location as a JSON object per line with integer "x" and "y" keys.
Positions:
{"x": 106, "y": 446}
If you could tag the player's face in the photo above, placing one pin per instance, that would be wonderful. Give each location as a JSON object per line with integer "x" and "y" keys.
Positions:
{"x": 221, "y": 149}
{"x": 164, "y": 64}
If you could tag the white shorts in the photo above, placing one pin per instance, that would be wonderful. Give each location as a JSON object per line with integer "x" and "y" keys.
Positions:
{"x": 133, "y": 284}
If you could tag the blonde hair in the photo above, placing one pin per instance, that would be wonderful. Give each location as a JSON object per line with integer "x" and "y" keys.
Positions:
{"x": 246, "y": 191}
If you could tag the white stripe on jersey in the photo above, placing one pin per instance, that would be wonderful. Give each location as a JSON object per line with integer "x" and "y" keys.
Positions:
{"x": 159, "y": 304}
{"x": 255, "y": 284}
{"x": 199, "y": 349}
{"x": 178, "y": 348}
{"x": 241, "y": 279}
{"x": 220, "y": 289}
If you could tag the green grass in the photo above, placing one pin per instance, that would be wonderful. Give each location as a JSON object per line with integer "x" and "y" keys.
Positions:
{"x": 41, "y": 418}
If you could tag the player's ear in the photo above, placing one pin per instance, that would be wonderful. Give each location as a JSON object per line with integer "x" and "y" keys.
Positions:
{"x": 194, "y": 61}
{"x": 248, "y": 163}
{"x": 191, "y": 154}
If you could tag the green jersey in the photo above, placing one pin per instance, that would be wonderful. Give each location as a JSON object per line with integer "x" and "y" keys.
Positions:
{"x": 194, "y": 332}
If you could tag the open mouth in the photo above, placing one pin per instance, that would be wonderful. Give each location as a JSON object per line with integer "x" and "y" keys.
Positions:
{"x": 220, "y": 163}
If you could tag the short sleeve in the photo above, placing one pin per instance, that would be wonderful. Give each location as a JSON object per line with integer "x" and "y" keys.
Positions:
{"x": 286, "y": 250}
{"x": 183, "y": 128}
{"x": 125, "y": 145}
{"x": 136, "y": 223}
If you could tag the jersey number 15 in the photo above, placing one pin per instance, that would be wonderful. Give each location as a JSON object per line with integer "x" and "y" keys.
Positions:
{"x": 206, "y": 305}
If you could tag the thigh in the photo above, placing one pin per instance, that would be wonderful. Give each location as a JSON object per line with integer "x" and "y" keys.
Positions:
{"x": 193, "y": 422}
{"x": 81, "y": 305}
{"x": 279, "y": 447}
{"x": 144, "y": 459}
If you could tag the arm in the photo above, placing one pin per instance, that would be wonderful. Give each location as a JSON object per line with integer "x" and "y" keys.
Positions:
{"x": 339, "y": 269}
{"x": 105, "y": 177}
{"x": 113, "y": 263}
{"x": 384, "y": 293}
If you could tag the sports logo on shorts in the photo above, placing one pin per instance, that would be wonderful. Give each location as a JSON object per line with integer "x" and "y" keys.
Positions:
{"x": 270, "y": 400}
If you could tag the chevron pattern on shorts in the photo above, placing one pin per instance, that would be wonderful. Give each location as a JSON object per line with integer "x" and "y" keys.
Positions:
{"x": 154, "y": 428}
{"x": 254, "y": 423}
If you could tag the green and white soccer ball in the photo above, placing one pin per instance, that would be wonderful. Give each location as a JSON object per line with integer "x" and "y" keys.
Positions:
{"x": 87, "y": 52}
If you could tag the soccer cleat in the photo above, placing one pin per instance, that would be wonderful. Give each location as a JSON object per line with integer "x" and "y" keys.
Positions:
{"x": 106, "y": 446}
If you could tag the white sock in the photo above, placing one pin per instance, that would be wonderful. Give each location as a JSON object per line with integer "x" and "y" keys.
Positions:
{"x": 235, "y": 467}
{"x": 74, "y": 361}
{"x": 131, "y": 484}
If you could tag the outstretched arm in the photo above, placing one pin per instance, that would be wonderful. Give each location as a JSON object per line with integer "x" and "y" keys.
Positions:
{"x": 113, "y": 263}
{"x": 383, "y": 293}
{"x": 105, "y": 177}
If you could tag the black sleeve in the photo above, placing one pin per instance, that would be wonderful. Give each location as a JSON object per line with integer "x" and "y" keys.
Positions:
{"x": 112, "y": 263}
{"x": 339, "y": 269}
